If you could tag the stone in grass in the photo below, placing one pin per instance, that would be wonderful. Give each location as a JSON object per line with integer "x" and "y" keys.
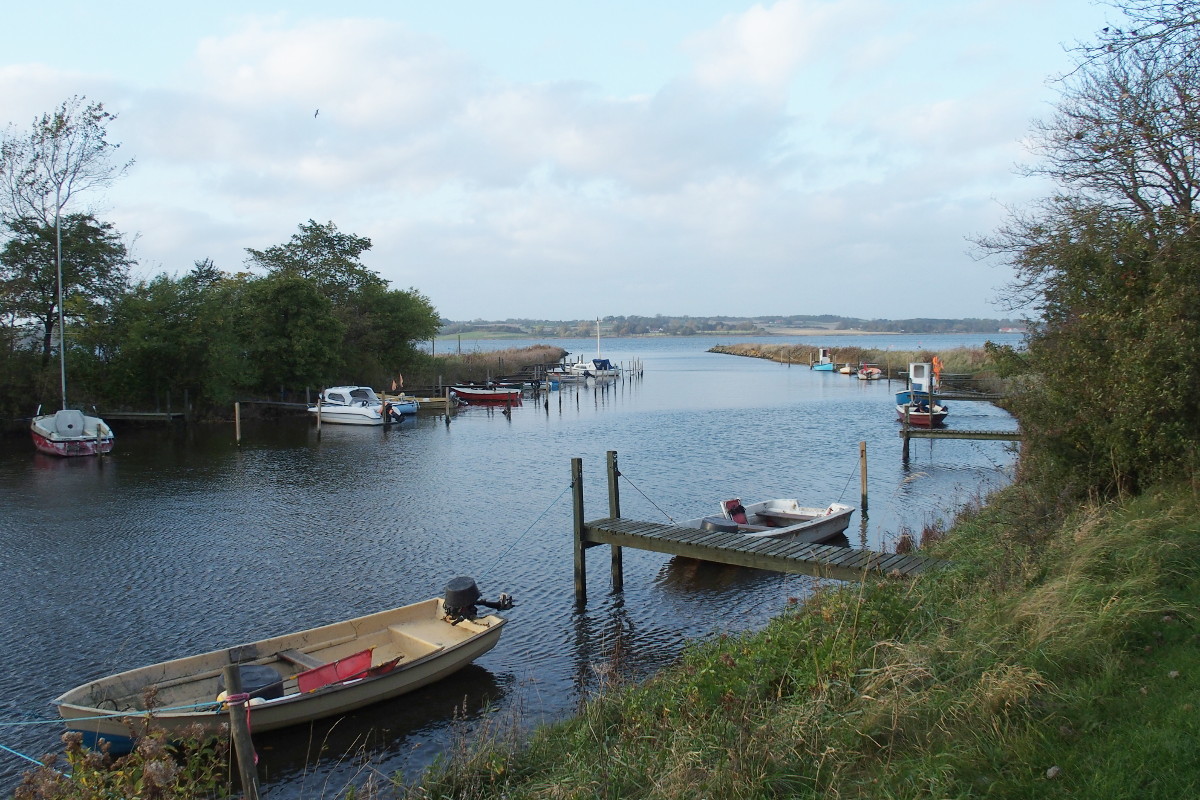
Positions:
{"x": 1053, "y": 772}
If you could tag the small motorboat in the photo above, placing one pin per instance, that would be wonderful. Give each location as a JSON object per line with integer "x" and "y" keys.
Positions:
{"x": 778, "y": 519}
{"x": 869, "y": 372}
{"x": 468, "y": 395}
{"x": 920, "y": 409}
{"x": 359, "y": 405}
{"x": 70, "y": 432}
{"x": 296, "y": 677}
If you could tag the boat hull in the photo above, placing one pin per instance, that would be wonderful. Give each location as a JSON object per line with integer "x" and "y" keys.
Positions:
{"x": 470, "y": 394}
{"x": 428, "y": 647}
{"x": 784, "y": 519}
{"x": 921, "y": 419}
{"x": 95, "y": 438}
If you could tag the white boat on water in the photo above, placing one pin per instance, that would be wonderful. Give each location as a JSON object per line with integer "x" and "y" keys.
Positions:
{"x": 296, "y": 677}
{"x": 70, "y": 432}
{"x": 778, "y": 519}
{"x": 359, "y": 405}
{"x": 595, "y": 368}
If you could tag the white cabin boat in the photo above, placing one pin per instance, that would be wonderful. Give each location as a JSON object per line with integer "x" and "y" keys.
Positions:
{"x": 359, "y": 405}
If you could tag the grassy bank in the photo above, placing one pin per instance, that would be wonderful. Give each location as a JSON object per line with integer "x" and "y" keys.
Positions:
{"x": 967, "y": 360}
{"x": 1057, "y": 658}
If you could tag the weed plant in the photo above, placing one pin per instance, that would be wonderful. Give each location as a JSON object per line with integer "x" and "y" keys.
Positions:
{"x": 476, "y": 367}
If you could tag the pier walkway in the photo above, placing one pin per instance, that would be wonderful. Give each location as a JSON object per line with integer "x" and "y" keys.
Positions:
{"x": 757, "y": 552}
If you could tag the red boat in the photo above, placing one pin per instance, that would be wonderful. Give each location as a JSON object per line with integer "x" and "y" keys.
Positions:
{"x": 486, "y": 394}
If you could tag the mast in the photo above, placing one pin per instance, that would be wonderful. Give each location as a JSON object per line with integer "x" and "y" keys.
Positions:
{"x": 597, "y": 337}
{"x": 62, "y": 344}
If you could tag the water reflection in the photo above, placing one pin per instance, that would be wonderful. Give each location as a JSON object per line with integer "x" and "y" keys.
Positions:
{"x": 185, "y": 541}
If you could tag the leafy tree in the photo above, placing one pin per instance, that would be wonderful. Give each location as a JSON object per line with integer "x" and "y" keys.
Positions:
{"x": 64, "y": 153}
{"x": 95, "y": 270}
{"x": 290, "y": 333}
{"x": 1110, "y": 264}
{"x": 323, "y": 255}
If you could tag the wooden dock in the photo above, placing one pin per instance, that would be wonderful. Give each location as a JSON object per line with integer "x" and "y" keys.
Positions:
{"x": 779, "y": 555}
{"x": 955, "y": 433}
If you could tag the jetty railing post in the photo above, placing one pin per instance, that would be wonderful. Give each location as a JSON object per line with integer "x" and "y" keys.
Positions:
{"x": 862, "y": 467}
{"x": 614, "y": 511}
{"x": 237, "y": 422}
{"x": 577, "y": 503}
{"x": 239, "y": 729}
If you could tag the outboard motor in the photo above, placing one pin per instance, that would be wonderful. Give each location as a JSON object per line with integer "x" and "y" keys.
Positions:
{"x": 462, "y": 596}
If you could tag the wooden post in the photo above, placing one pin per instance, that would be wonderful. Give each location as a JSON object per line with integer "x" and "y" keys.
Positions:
{"x": 319, "y": 398}
{"x": 614, "y": 510}
{"x": 239, "y": 729}
{"x": 862, "y": 466}
{"x": 237, "y": 422}
{"x": 577, "y": 503}
{"x": 904, "y": 428}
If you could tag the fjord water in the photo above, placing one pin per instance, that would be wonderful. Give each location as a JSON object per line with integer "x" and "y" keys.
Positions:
{"x": 182, "y": 541}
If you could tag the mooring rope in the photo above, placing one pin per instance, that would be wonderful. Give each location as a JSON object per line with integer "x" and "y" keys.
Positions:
{"x": 508, "y": 549}
{"x": 643, "y": 494}
{"x": 21, "y": 755}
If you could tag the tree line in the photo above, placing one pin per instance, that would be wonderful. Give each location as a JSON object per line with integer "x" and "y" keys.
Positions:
{"x": 311, "y": 315}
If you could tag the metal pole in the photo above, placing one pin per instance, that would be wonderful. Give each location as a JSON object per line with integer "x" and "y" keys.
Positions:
{"x": 614, "y": 510}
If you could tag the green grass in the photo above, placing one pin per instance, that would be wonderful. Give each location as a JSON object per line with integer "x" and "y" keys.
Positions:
{"x": 1067, "y": 645}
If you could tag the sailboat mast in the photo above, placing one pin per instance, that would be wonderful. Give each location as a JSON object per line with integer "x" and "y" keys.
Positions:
{"x": 597, "y": 337}
{"x": 62, "y": 344}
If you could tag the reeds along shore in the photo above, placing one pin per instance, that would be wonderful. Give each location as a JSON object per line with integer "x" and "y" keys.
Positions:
{"x": 474, "y": 367}
{"x": 960, "y": 360}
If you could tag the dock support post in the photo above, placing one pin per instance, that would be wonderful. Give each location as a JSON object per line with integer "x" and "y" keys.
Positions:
{"x": 237, "y": 422}
{"x": 240, "y": 731}
{"x": 862, "y": 468}
{"x": 577, "y": 503}
{"x": 614, "y": 510}
{"x": 904, "y": 432}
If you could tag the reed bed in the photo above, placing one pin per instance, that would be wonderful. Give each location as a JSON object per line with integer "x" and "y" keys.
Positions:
{"x": 479, "y": 366}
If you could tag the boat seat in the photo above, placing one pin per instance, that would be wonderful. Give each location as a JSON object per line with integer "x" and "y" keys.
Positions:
{"x": 736, "y": 512}
{"x": 787, "y": 515}
{"x": 69, "y": 422}
{"x": 301, "y": 659}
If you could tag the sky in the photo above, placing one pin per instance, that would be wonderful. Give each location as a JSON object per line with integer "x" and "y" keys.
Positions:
{"x": 568, "y": 160}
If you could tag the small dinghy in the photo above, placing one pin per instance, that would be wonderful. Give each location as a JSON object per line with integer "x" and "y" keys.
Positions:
{"x": 296, "y": 677}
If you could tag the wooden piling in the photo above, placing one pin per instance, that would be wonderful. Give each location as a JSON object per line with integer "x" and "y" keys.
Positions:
{"x": 862, "y": 469}
{"x": 237, "y": 422}
{"x": 904, "y": 429}
{"x": 614, "y": 510}
{"x": 239, "y": 729}
{"x": 577, "y": 503}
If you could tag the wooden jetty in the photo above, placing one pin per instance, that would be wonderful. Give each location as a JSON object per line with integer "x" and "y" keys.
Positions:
{"x": 779, "y": 555}
{"x": 144, "y": 416}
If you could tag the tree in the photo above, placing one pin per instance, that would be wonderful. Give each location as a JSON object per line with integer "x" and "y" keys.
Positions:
{"x": 65, "y": 153}
{"x": 290, "y": 333}
{"x": 94, "y": 271}
{"x": 1110, "y": 263}
{"x": 323, "y": 255}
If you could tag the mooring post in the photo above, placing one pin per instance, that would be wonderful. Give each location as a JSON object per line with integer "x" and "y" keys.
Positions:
{"x": 904, "y": 428}
{"x": 614, "y": 510}
{"x": 237, "y": 422}
{"x": 239, "y": 729}
{"x": 577, "y": 502}
{"x": 862, "y": 468}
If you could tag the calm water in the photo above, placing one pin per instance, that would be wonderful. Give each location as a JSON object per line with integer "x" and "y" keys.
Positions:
{"x": 182, "y": 541}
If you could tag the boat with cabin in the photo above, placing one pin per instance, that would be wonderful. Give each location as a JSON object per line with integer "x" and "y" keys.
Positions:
{"x": 360, "y": 405}
{"x": 918, "y": 404}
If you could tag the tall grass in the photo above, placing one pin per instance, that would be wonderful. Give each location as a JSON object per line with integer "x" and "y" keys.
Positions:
{"x": 473, "y": 367}
{"x": 984, "y": 679}
{"x": 960, "y": 360}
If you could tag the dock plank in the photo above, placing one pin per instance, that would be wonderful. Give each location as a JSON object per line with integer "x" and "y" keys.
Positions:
{"x": 780, "y": 555}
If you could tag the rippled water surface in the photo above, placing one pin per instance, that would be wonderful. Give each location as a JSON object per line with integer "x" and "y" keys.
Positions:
{"x": 183, "y": 541}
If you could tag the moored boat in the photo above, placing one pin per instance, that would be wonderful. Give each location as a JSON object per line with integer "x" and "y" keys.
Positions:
{"x": 296, "y": 677}
{"x": 869, "y": 372}
{"x": 359, "y": 405}
{"x": 824, "y": 362}
{"x": 918, "y": 405}
{"x": 486, "y": 394}
{"x": 70, "y": 432}
{"x": 779, "y": 519}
